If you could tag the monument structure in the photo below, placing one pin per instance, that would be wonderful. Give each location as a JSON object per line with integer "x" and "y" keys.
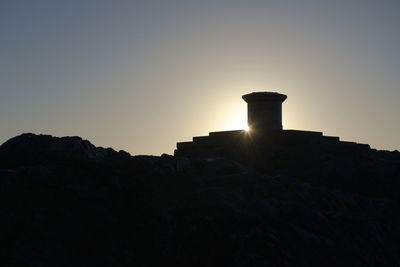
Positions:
{"x": 265, "y": 135}
{"x": 264, "y": 110}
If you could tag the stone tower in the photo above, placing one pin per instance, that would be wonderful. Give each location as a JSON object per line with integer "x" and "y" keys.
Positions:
{"x": 264, "y": 110}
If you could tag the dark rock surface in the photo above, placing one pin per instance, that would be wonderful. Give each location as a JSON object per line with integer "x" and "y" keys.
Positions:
{"x": 30, "y": 148}
{"x": 65, "y": 202}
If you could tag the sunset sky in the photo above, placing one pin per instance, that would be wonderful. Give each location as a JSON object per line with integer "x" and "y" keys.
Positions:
{"x": 143, "y": 75}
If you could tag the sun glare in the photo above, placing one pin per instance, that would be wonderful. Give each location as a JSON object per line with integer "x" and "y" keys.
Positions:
{"x": 238, "y": 121}
{"x": 247, "y": 128}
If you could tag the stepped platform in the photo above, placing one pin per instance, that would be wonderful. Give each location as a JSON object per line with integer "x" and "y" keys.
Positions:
{"x": 241, "y": 143}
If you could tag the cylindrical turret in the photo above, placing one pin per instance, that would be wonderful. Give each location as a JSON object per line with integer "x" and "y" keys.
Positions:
{"x": 264, "y": 110}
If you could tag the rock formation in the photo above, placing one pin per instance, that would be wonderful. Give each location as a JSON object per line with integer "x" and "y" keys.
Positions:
{"x": 68, "y": 203}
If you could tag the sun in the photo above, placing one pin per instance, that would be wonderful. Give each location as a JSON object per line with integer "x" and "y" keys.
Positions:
{"x": 247, "y": 128}
{"x": 238, "y": 121}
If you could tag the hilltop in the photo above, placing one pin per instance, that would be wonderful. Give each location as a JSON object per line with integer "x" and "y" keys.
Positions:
{"x": 66, "y": 202}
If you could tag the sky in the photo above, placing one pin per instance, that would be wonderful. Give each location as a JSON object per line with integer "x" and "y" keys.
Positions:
{"x": 143, "y": 75}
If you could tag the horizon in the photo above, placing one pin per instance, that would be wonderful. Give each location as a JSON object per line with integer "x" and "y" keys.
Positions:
{"x": 140, "y": 77}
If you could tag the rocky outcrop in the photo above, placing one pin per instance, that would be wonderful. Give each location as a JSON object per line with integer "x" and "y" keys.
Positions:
{"x": 28, "y": 148}
{"x": 117, "y": 210}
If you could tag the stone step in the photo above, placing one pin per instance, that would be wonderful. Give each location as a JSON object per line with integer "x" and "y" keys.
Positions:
{"x": 185, "y": 145}
{"x": 201, "y": 139}
{"x": 330, "y": 139}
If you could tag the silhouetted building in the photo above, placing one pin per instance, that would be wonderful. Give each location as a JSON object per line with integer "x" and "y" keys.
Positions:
{"x": 264, "y": 110}
{"x": 265, "y": 135}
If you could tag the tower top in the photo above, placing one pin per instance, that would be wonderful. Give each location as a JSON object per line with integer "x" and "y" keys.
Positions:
{"x": 264, "y": 96}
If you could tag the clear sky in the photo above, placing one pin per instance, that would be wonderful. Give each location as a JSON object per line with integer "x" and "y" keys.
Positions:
{"x": 143, "y": 75}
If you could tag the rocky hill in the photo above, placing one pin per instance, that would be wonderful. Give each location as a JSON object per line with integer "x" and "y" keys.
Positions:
{"x": 65, "y": 202}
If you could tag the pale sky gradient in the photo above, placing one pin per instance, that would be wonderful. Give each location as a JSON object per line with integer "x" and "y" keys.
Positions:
{"x": 143, "y": 75}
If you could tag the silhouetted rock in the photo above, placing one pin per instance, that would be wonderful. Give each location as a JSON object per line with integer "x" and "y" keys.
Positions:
{"x": 31, "y": 148}
{"x": 65, "y": 202}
